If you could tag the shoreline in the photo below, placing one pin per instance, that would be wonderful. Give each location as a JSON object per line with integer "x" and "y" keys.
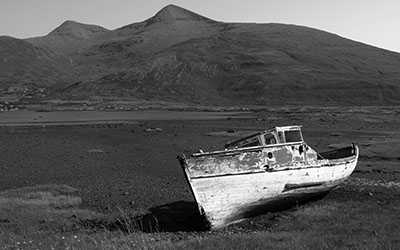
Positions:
{"x": 32, "y": 118}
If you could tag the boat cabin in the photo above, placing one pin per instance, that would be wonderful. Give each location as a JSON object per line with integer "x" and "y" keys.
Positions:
{"x": 277, "y": 135}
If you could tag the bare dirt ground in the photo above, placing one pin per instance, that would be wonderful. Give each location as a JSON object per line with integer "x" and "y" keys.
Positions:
{"x": 132, "y": 167}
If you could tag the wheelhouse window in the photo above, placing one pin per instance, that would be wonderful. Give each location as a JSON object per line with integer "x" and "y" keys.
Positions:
{"x": 293, "y": 136}
{"x": 269, "y": 139}
{"x": 252, "y": 142}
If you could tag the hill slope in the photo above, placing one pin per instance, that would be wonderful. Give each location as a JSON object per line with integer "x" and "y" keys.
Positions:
{"x": 22, "y": 63}
{"x": 180, "y": 56}
{"x": 68, "y": 36}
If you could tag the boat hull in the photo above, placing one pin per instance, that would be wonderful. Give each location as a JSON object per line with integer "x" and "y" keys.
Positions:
{"x": 226, "y": 199}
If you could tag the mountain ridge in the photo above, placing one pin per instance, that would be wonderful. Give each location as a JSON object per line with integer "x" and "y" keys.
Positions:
{"x": 69, "y": 35}
{"x": 77, "y": 30}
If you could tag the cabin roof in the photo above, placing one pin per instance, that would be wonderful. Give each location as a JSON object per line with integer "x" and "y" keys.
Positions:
{"x": 284, "y": 128}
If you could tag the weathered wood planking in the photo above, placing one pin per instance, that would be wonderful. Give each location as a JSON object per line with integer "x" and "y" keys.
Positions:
{"x": 225, "y": 198}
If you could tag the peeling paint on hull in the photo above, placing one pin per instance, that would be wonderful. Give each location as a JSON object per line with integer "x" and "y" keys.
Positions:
{"x": 232, "y": 185}
{"x": 226, "y": 199}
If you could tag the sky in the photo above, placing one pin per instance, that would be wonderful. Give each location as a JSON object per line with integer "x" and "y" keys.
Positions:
{"x": 374, "y": 22}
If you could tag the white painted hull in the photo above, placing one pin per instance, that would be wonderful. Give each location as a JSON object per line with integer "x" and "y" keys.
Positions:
{"x": 225, "y": 199}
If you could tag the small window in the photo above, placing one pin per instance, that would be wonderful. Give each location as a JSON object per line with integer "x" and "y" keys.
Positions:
{"x": 269, "y": 139}
{"x": 293, "y": 136}
{"x": 280, "y": 135}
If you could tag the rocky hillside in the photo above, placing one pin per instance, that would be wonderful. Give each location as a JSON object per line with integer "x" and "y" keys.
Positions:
{"x": 180, "y": 56}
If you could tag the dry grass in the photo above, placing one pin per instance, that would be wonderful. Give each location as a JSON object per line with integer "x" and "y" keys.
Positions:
{"x": 351, "y": 218}
{"x": 56, "y": 196}
{"x": 32, "y": 211}
{"x": 325, "y": 225}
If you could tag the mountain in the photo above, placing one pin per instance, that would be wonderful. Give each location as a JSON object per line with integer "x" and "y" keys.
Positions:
{"x": 182, "y": 57}
{"x": 22, "y": 63}
{"x": 77, "y": 30}
{"x": 173, "y": 13}
{"x": 68, "y": 36}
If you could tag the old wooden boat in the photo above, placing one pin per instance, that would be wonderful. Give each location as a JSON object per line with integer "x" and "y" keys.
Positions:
{"x": 263, "y": 172}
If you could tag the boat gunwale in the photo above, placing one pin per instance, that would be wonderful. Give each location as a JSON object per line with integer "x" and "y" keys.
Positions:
{"x": 249, "y": 149}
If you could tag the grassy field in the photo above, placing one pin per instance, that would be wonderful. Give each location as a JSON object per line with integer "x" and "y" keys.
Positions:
{"x": 358, "y": 215}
